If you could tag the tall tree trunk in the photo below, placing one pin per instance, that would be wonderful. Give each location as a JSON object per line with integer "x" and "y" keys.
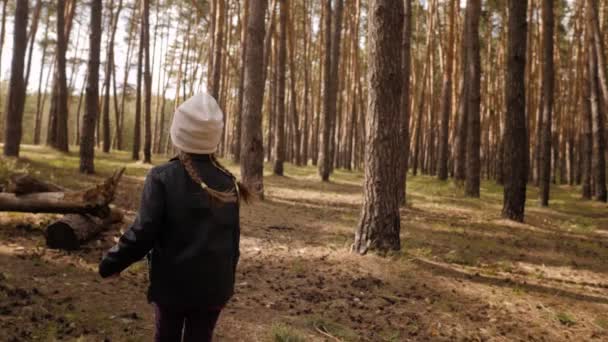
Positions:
{"x": 236, "y": 144}
{"x": 32, "y": 38}
{"x": 516, "y": 146}
{"x": 406, "y": 50}
{"x": 599, "y": 47}
{"x": 58, "y": 137}
{"x": 38, "y": 117}
{"x": 306, "y": 23}
{"x": 16, "y": 90}
{"x": 87, "y": 138}
{"x": 446, "y": 96}
{"x": 137, "y": 125}
{"x": 279, "y": 136}
{"x": 120, "y": 115}
{"x": 547, "y": 101}
{"x": 463, "y": 110}
{"x": 474, "y": 100}
{"x": 147, "y": 82}
{"x": 379, "y": 226}
{"x": 295, "y": 127}
{"x": 2, "y": 35}
{"x": 598, "y": 128}
{"x": 107, "y": 140}
{"x": 586, "y": 139}
{"x": 252, "y": 163}
{"x": 218, "y": 47}
{"x": 332, "y": 51}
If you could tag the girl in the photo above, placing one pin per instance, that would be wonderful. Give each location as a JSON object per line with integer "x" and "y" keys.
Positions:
{"x": 188, "y": 226}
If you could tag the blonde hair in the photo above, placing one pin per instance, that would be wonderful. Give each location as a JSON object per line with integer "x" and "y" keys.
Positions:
{"x": 234, "y": 195}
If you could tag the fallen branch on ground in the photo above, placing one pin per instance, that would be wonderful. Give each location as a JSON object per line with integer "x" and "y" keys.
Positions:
{"x": 94, "y": 201}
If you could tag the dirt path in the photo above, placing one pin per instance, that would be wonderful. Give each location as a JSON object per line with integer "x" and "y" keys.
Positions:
{"x": 465, "y": 274}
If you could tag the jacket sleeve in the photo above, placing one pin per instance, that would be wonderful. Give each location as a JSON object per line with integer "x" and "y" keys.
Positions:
{"x": 139, "y": 239}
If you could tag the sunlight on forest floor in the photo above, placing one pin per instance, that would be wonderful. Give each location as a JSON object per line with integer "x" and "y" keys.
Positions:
{"x": 464, "y": 273}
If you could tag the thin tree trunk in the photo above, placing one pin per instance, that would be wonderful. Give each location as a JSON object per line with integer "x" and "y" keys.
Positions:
{"x": 279, "y": 136}
{"x": 59, "y": 125}
{"x": 332, "y": 51}
{"x": 547, "y": 101}
{"x": 2, "y": 35}
{"x": 137, "y": 125}
{"x": 32, "y": 38}
{"x": 598, "y": 129}
{"x": 236, "y": 144}
{"x": 87, "y": 141}
{"x": 474, "y": 100}
{"x": 16, "y": 93}
{"x": 38, "y": 118}
{"x": 446, "y": 96}
{"x": 147, "y": 82}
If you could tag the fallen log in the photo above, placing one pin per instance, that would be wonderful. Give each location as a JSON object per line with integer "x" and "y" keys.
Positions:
{"x": 23, "y": 184}
{"x": 72, "y": 230}
{"x": 94, "y": 201}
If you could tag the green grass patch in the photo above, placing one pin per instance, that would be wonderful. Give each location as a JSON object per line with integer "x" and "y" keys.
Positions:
{"x": 565, "y": 319}
{"x": 318, "y": 323}
{"x": 280, "y": 332}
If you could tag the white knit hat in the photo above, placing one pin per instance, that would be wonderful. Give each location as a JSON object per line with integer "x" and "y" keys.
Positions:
{"x": 197, "y": 125}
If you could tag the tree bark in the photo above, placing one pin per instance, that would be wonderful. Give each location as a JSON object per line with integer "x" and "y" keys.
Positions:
{"x": 474, "y": 100}
{"x": 16, "y": 92}
{"x": 598, "y": 128}
{"x": 279, "y": 131}
{"x": 406, "y": 50}
{"x": 32, "y": 39}
{"x": 252, "y": 163}
{"x": 137, "y": 125}
{"x": 547, "y": 101}
{"x": 87, "y": 137}
{"x": 58, "y": 137}
{"x": 236, "y": 144}
{"x": 147, "y": 83}
{"x": 73, "y": 230}
{"x": 2, "y": 35}
{"x": 107, "y": 140}
{"x": 217, "y": 47}
{"x": 328, "y": 115}
{"x": 94, "y": 201}
{"x": 446, "y": 96}
{"x": 516, "y": 146}
{"x": 379, "y": 226}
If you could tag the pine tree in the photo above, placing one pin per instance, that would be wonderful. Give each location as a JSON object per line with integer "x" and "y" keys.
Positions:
{"x": 87, "y": 137}
{"x": 16, "y": 92}
{"x": 379, "y": 226}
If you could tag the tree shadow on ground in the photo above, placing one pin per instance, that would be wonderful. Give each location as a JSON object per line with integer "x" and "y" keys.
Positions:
{"x": 447, "y": 271}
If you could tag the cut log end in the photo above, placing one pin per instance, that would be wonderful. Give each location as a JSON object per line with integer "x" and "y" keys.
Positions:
{"x": 61, "y": 236}
{"x": 72, "y": 230}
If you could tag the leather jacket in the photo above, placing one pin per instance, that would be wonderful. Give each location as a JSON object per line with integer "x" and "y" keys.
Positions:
{"x": 192, "y": 244}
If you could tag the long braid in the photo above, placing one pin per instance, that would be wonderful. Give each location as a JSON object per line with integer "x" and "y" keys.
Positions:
{"x": 216, "y": 197}
{"x": 242, "y": 190}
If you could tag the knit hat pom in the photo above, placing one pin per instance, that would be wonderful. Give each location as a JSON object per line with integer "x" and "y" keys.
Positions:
{"x": 197, "y": 125}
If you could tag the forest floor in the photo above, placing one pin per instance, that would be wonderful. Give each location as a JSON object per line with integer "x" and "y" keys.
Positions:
{"x": 464, "y": 273}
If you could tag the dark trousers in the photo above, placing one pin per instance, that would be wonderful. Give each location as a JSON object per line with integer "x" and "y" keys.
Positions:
{"x": 194, "y": 325}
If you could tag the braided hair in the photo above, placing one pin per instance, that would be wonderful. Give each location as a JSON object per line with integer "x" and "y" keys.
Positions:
{"x": 234, "y": 195}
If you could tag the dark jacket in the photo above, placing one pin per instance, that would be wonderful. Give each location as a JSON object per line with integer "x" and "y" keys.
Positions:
{"x": 193, "y": 246}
